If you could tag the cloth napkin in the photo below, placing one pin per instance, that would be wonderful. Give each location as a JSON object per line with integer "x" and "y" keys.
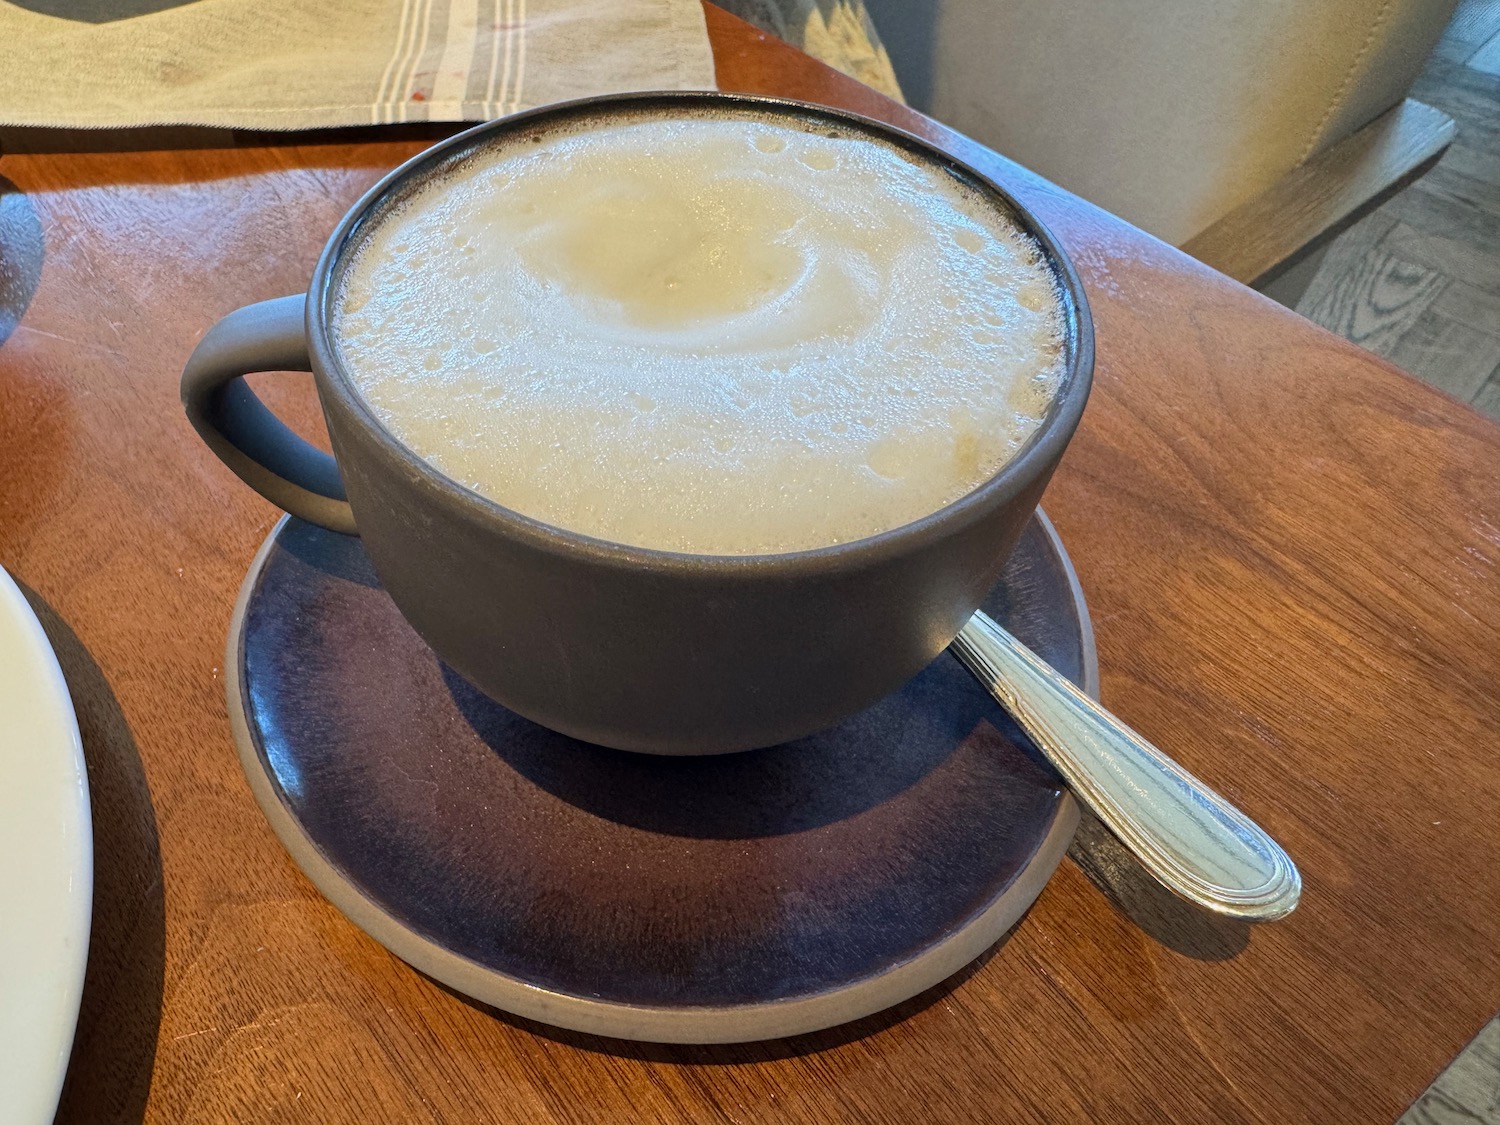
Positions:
{"x": 303, "y": 64}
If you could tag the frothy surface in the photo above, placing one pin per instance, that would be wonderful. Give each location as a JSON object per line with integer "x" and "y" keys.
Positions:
{"x": 719, "y": 335}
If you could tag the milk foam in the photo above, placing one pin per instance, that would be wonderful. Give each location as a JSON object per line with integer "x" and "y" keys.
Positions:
{"x": 718, "y": 335}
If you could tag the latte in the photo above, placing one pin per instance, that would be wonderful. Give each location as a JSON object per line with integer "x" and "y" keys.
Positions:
{"x": 714, "y": 333}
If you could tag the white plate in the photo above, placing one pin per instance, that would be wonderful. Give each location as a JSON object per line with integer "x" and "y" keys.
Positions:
{"x": 46, "y": 867}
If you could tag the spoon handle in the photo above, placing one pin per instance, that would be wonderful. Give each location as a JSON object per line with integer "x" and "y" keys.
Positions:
{"x": 1190, "y": 838}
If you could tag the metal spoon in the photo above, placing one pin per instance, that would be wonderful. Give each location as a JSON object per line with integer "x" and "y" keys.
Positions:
{"x": 1190, "y": 838}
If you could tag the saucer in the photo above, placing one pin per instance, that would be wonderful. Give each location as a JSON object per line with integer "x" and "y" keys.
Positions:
{"x": 686, "y": 900}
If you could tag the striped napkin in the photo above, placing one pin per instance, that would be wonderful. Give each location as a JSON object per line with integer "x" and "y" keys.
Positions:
{"x": 303, "y": 64}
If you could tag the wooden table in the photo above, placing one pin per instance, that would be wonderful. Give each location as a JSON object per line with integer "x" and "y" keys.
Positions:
{"x": 1290, "y": 548}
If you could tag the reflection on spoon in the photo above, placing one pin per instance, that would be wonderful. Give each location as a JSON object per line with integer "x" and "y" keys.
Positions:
{"x": 1190, "y": 838}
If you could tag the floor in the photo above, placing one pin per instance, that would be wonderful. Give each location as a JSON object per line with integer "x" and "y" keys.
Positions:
{"x": 1418, "y": 281}
{"x": 1468, "y": 1092}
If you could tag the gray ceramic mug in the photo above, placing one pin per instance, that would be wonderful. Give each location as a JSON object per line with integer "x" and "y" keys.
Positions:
{"x": 627, "y": 647}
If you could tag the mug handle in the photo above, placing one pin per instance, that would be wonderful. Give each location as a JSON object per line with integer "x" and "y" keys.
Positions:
{"x": 257, "y": 445}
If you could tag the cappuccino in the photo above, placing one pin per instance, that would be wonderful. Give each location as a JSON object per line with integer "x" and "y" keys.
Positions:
{"x": 716, "y": 333}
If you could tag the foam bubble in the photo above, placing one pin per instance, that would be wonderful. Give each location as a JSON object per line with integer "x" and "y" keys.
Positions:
{"x": 686, "y": 334}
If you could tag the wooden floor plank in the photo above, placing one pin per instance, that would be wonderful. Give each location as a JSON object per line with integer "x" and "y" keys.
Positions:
{"x": 1376, "y": 301}
{"x": 1356, "y": 242}
{"x": 1473, "y": 23}
{"x": 1464, "y": 93}
{"x": 1452, "y": 257}
{"x": 1452, "y": 356}
{"x": 1438, "y": 1107}
{"x": 1344, "y": 256}
{"x": 1487, "y": 401}
{"x": 1486, "y": 60}
{"x": 1458, "y": 185}
{"x": 1468, "y": 305}
{"x": 1469, "y": 1090}
{"x": 1452, "y": 213}
{"x": 1472, "y": 161}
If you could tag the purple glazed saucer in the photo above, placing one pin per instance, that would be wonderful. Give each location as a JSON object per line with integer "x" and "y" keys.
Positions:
{"x": 670, "y": 899}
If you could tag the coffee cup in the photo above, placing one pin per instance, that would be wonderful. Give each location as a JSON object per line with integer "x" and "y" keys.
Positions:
{"x": 612, "y": 640}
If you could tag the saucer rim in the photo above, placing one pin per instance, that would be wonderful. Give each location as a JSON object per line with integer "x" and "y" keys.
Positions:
{"x": 686, "y": 1024}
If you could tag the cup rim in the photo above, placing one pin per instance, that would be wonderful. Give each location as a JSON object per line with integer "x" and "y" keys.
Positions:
{"x": 1042, "y": 449}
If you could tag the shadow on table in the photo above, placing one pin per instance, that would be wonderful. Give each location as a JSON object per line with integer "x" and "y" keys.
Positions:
{"x": 735, "y": 1054}
{"x": 114, "y": 1048}
{"x": 1176, "y": 923}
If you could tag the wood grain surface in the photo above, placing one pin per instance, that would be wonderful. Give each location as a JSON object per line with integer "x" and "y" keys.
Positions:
{"x": 1290, "y": 549}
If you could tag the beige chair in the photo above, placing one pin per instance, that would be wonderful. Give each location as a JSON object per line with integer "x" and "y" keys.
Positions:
{"x": 1248, "y": 132}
